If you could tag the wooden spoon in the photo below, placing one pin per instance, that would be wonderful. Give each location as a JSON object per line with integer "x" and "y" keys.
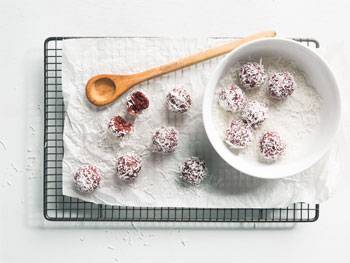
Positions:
{"x": 106, "y": 88}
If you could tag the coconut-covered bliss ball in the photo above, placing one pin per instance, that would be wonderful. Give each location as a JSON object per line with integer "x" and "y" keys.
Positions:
{"x": 231, "y": 98}
{"x": 271, "y": 146}
{"x": 238, "y": 135}
{"x": 254, "y": 113}
{"x": 252, "y": 75}
{"x": 179, "y": 99}
{"x": 281, "y": 85}
{"x": 165, "y": 140}
{"x": 193, "y": 171}
{"x": 119, "y": 127}
{"x": 128, "y": 167}
{"x": 136, "y": 103}
{"x": 86, "y": 179}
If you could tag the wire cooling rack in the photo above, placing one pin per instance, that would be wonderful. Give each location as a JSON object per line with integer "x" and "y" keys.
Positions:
{"x": 58, "y": 207}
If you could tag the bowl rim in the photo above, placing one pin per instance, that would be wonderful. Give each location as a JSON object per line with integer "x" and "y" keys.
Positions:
{"x": 209, "y": 96}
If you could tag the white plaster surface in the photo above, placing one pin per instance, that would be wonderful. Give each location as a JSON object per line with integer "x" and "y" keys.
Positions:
{"x": 24, "y": 234}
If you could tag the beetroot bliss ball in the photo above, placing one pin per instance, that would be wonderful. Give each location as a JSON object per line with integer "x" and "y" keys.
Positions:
{"x": 254, "y": 113}
{"x": 281, "y": 85}
{"x": 119, "y": 127}
{"x": 165, "y": 139}
{"x": 136, "y": 103}
{"x": 238, "y": 135}
{"x": 271, "y": 146}
{"x": 128, "y": 166}
{"x": 252, "y": 75}
{"x": 179, "y": 99}
{"x": 87, "y": 178}
{"x": 193, "y": 171}
{"x": 231, "y": 98}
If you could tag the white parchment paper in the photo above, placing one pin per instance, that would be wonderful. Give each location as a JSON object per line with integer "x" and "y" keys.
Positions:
{"x": 86, "y": 140}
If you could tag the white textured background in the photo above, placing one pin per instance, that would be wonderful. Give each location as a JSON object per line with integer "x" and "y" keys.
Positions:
{"x": 25, "y": 236}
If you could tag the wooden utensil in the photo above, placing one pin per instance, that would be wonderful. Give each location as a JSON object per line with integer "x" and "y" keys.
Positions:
{"x": 104, "y": 89}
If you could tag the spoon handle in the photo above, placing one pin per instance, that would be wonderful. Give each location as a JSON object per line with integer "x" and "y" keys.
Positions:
{"x": 196, "y": 58}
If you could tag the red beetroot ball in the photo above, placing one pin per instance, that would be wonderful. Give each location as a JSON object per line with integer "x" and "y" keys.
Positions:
{"x": 272, "y": 146}
{"x": 193, "y": 171}
{"x": 252, "y": 75}
{"x": 86, "y": 179}
{"x": 128, "y": 167}
{"x": 136, "y": 103}
{"x": 238, "y": 135}
{"x": 281, "y": 85}
{"x": 165, "y": 140}
{"x": 119, "y": 127}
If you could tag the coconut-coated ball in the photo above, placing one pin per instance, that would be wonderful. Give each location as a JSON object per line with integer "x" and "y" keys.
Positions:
{"x": 128, "y": 167}
{"x": 231, "y": 98}
{"x": 179, "y": 100}
{"x": 254, "y": 113}
{"x": 281, "y": 85}
{"x": 193, "y": 171}
{"x": 252, "y": 75}
{"x": 238, "y": 135}
{"x": 87, "y": 178}
{"x": 165, "y": 140}
{"x": 271, "y": 145}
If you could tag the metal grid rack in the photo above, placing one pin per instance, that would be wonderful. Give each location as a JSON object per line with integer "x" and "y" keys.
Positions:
{"x": 63, "y": 208}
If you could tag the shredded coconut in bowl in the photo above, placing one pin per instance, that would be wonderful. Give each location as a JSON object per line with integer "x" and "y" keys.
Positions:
{"x": 296, "y": 118}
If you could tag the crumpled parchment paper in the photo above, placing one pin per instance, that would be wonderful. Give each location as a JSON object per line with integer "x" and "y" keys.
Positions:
{"x": 86, "y": 140}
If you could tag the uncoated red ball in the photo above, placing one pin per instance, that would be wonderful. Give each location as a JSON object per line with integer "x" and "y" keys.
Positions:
{"x": 136, "y": 103}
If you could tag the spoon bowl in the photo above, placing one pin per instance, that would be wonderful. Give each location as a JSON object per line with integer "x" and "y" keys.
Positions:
{"x": 103, "y": 89}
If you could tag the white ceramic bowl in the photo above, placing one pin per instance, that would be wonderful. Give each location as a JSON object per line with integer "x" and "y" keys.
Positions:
{"x": 318, "y": 75}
